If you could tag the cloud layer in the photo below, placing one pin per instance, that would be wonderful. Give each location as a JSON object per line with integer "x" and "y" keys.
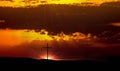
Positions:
{"x": 24, "y": 3}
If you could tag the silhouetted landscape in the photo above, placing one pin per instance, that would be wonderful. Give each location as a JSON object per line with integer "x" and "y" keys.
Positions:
{"x": 12, "y": 60}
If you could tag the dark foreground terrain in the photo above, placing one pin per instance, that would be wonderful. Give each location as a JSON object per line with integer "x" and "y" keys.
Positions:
{"x": 45, "y": 65}
{"x": 115, "y": 60}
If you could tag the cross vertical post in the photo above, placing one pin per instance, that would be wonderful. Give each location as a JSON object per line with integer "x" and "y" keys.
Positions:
{"x": 47, "y": 51}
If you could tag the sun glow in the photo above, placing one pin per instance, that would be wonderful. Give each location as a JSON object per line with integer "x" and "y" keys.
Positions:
{"x": 50, "y": 57}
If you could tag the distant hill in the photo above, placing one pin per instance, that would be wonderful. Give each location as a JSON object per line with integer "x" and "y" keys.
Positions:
{"x": 107, "y": 60}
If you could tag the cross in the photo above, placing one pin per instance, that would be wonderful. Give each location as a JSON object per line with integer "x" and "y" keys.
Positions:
{"x": 47, "y": 50}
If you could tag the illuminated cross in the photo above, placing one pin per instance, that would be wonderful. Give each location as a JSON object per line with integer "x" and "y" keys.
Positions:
{"x": 47, "y": 50}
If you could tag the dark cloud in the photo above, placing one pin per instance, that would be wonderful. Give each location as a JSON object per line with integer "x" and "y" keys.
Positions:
{"x": 61, "y": 17}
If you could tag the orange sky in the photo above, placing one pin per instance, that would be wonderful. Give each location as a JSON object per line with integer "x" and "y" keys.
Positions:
{"x": 116, "y": 24}
{"x": 20, "y": 43}
{"x": 22, "y": 3}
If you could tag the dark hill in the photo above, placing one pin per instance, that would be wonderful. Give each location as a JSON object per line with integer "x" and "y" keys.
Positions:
{"x": 7, "y": 60}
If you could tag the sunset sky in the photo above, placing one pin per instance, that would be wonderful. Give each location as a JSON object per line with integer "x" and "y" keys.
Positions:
{"x": 72, "y": 31}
